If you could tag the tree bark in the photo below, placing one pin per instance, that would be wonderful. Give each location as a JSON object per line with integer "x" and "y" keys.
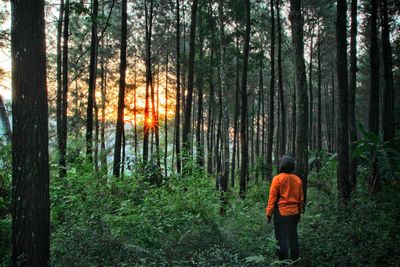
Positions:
{"x": 178, "y": 92}
{"x": 4, "y": 120}
{"x": 121, "y": 93}
{"x": 236, "y": 116}
{"x": 30, "y": 155}
{"x": 243, "y": 114}
{"x": 352, "y": 95}
{"x": 59, "y": 78}
{"x": 388, "y": 95}
{"x": 310, "y": 89}
{"x": 271, "y": 97}
{"x": 64, "y": 96}
{"x": 342, "y": 123}
{"x": 296, "y": 19}
{"x": 189, "y": 97}
{"x": 282, "y": 132}
{"x": 149, "y": 80}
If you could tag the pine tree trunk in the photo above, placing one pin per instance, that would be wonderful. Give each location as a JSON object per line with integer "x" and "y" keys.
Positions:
{"x": 388, "y": 95}
{"x": 319, "y": 104}
{"x": 271, "y": 97}
{"x": 352, "y": 95}
{"x": 189, "y": 97}
{"x": 282, "y": 132}
{"x": 149, "y": 82}
{"x": 342, "y": 123}
{"x": 178, "y": 92}
{"x": 30, "y": 139}
{"x": 59, "y": 77}
{"x": 166, "y": 114}
{"x": 243, "y": 114}
{"x": 121, "y": 93}
{"x": 310, "y": 91}
{"x": 103, "y": 153}
{"x": 296, "y": 19}
{"x": 64, "y": 95}
{"x": 92, "y": 82}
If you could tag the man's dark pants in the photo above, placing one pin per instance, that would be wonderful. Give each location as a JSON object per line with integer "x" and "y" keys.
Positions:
{"x": 286, "y": 235}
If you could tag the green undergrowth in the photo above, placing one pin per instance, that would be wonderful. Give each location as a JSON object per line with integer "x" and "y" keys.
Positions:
{"x": 139, "y": 220}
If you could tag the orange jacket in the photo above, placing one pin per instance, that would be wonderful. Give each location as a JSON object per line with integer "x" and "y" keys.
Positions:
{"x": 287, "y": 190}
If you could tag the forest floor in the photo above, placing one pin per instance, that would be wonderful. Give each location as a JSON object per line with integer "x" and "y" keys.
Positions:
{"x": 100, "y": 221}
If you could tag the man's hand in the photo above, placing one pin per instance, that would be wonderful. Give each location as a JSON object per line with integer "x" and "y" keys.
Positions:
{"x": 268, "y": 219}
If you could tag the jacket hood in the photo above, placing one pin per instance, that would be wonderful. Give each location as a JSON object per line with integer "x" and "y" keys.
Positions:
{"x": 286, "y": 164}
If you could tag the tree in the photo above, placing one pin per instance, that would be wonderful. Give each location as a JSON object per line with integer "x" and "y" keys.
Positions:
{"x": 296, "y": 19}
{"x": 352, "y": 95}
{"x": 121, "y": 93}
{"x": 342, "y": 125}
{"x": 30, "y": 155}
{"x": 59, "y": 85}
{"x": 64, "y": 95}
{"x": 373, "y": 115}
{"x": 189, "y": 97}
{"x": 388, "y": 95}
{"x": 282, "y": 145}
{"x": 92, "y": 81}
{"x": 243, "y": 112}
{"x": 178, "y": 92}
{"x": 271, "y": 96}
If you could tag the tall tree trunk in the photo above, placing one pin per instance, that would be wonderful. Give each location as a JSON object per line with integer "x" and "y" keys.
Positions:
{"x": 236, "y": 116}
{"x": 189, "y": 97}
{"x": 373, "y": 116}
{"x": 92, "y": 82}
{"x": 30, "y": 154}
{"x": 243, "y": 114}
{"x": 59, "y": 77}
{"x": 319, "y": 104}
{"x": 388, "y": 95}
{"x": 352, "y": 95}
{"x": 310, "y": 90}
{"x": 166, "y": 113}
{"x": 149, "y": 82}
{"x": 294, "y": 116}
{"x": 333, "y": 128}
{"x": 211, "y": 101}
{"x": 342, "y": 123}
{"x": 296, "y": 19}
{"x": 103, "y": 153}
{"x": 178, "y": 92}
{"x": 64, "y": 96}
{"x": 121, "y": 93}
{"x": 271, "y": 96}
{"x": 199, "y": 80}
{"x": 282, "y": 132}
{"x": 258, "y": 126}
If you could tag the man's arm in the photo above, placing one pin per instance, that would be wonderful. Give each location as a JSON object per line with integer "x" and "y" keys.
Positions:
{"x": 273, "y": 197}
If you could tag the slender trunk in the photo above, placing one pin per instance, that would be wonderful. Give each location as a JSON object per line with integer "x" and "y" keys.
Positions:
{"x": 258, "y": 126}
{"x": 319, "y": 104}
{"x": 64, "y": 95}
{"x": 92, "y": 82}
{"x": 59, "y": 76}
{"x": 342, "y": 123}
{"x": 236, "y": 116}
{"x": 121, "y": 93}
{"x": 243, "y": 114}
{"x": 189, "y": 97}
{"x": 294, "y": 115}
{"x": 296, "y": 19}
{"x": 352, "y": 95}
{"x": 135, "y": 138}
{"x": 282, "y": 132}
{"x": 30, "y": 139}
{"x": 271, "y": 97}
{"x": 166, "y": 114}
{"x": 103, "y": 153}
{"x": 149, "y": 82}
{"x": 388, "y": 95}
{"x": 199, "y": 79}
{"x": 178, "y": 92}
{"x": 310, "y": 91}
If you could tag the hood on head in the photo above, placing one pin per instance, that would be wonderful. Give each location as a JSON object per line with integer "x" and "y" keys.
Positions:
{"x": 286, "y": 164}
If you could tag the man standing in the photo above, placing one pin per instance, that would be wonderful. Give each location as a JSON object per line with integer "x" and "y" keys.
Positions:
{"x": 286, "y": 202}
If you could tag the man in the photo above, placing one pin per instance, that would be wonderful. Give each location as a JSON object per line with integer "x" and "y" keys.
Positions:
{"x": 286, "y": 204}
